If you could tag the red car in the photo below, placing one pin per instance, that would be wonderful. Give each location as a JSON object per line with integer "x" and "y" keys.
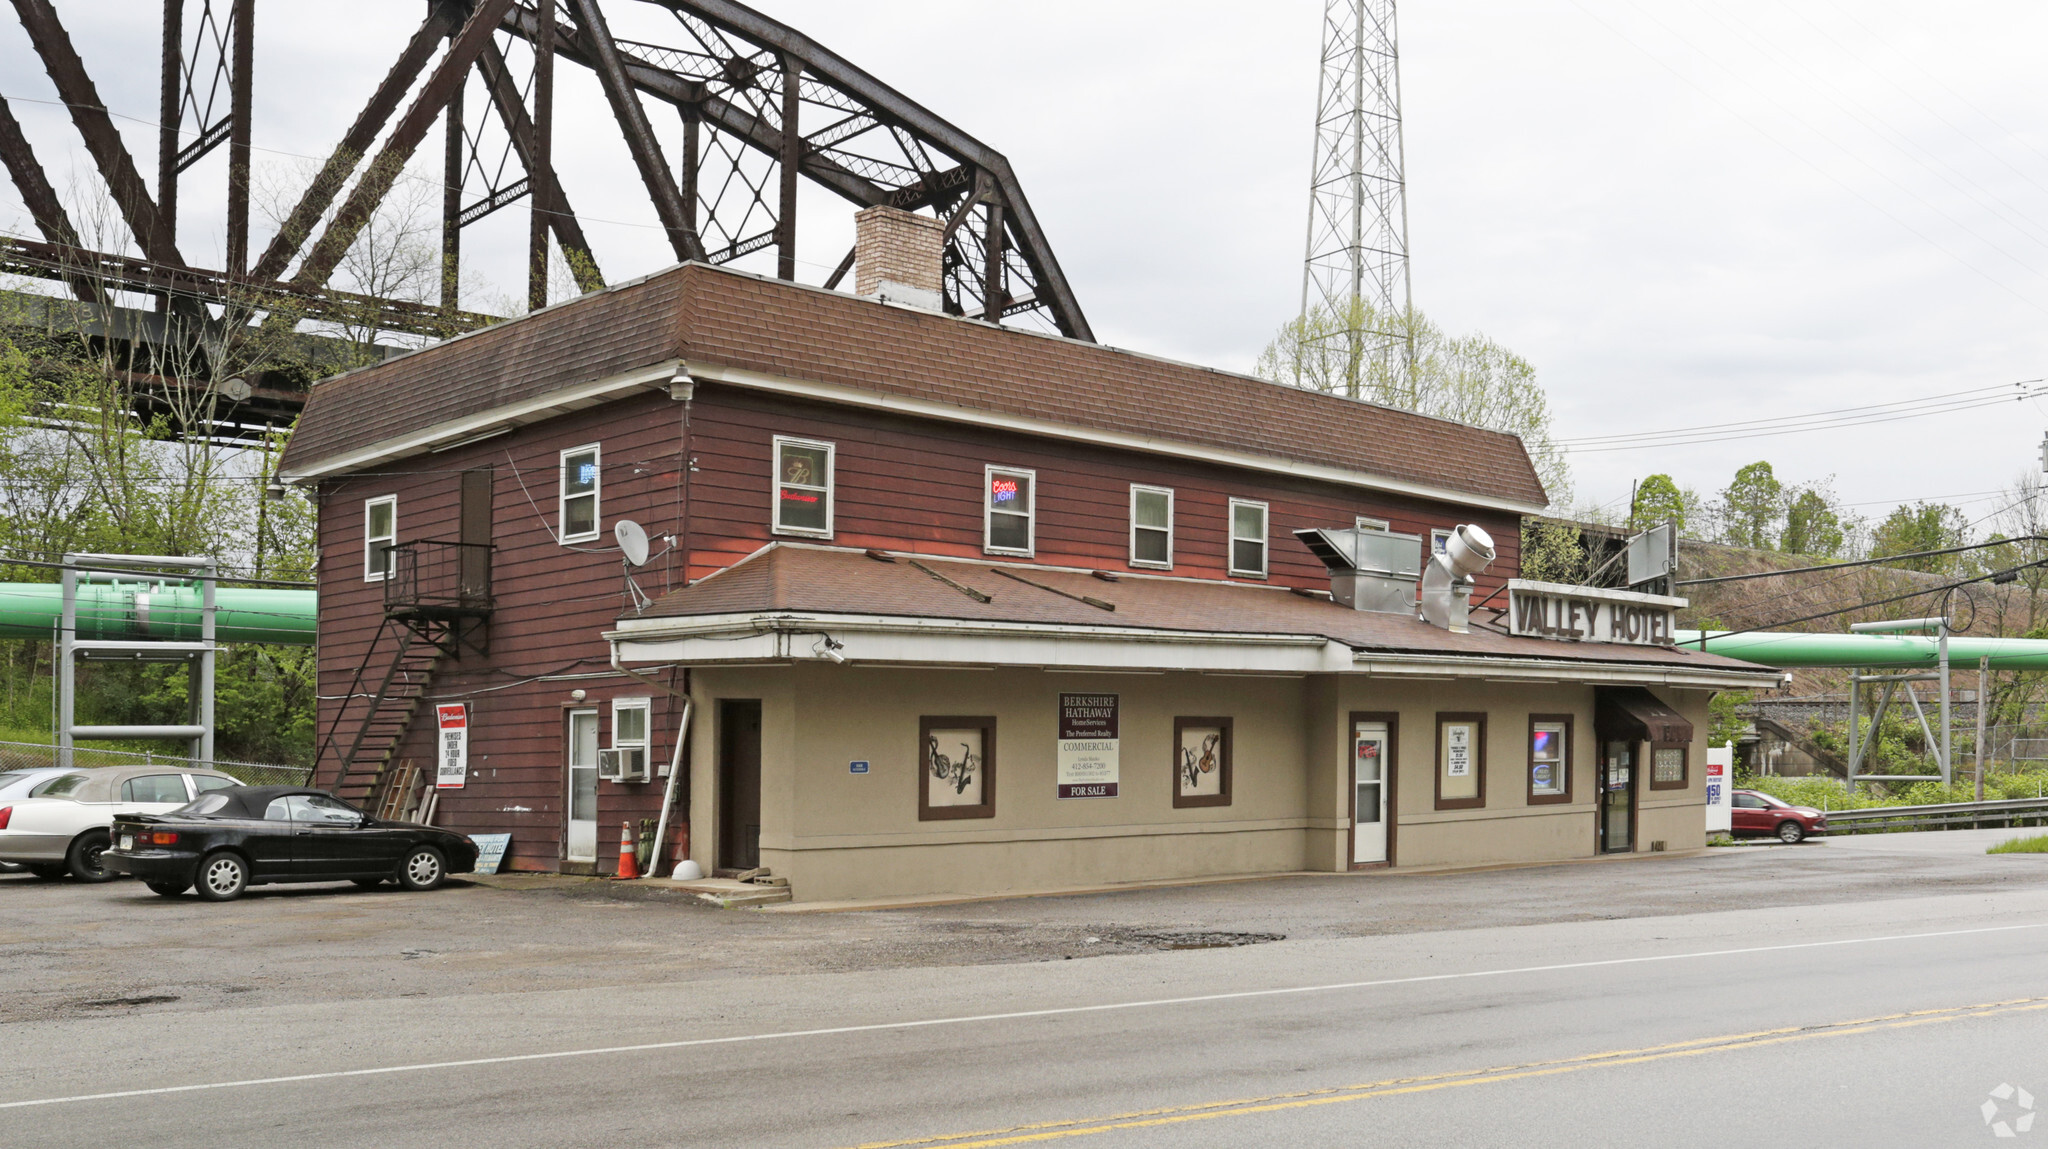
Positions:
{"x": 1757, "y": 814}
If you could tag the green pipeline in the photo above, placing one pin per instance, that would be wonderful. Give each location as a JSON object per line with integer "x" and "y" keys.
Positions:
{"x": 1868, "y": 651}
{"x": 137, "y": 608}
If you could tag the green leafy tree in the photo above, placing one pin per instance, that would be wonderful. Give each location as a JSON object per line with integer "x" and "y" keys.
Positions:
{"x": 1659, "y": 499}
{"x": 1469, "y": 378}
{"x": 1917, "y": 527}
{"x": 1552, "y": 551}
{"x": 1812, "y": 524}
{"x": 1752, "y": 506}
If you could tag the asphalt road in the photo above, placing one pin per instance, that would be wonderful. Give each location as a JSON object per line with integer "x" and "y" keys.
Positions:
{"x": 1868, "y": 1020}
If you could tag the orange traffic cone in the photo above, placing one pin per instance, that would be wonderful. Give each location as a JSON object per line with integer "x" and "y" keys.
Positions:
{"x": 629, "y": 852}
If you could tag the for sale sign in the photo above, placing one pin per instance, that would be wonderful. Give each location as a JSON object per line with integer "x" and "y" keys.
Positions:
{"x": 453, "y": 767}
{"x": 1088, "y": 746}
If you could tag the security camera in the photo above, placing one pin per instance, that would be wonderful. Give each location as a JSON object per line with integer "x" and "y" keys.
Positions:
{"x": 829, "y": 647}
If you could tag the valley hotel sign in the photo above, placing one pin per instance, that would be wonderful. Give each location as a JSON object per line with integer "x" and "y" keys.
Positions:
{"x": 1590, "y": 614}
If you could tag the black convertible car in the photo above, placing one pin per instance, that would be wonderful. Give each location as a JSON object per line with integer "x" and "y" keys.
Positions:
{"x": 228, "y": 840}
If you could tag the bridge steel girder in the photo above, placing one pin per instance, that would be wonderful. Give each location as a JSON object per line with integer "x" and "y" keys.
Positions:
{"x": 341, "y": 163}
{"x": 82, "y": 99}
{"x": 889, "y": 107}
{"x": 893, "y": 107}
{"x": 549, "y": 198}
{"x": 412, "y": 128}
{"x": 604, "y": 59}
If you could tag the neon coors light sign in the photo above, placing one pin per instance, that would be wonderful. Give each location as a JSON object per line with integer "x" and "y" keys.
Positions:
{"x": 1590, "y": 614}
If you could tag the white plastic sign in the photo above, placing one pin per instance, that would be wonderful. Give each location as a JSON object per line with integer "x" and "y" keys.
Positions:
{"x": 1720, "y": 789}
{"x": 452, "y": 770}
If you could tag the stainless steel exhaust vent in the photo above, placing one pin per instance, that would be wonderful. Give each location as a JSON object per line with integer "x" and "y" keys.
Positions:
{"x": 1369, "y": 570}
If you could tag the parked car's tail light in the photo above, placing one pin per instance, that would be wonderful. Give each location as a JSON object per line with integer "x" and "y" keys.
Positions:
{"x": 6, "y": 816}
{"x": 158, "y": 838}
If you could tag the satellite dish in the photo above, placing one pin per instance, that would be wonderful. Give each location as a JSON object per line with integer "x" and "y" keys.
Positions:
{"x": 632, "y": 540}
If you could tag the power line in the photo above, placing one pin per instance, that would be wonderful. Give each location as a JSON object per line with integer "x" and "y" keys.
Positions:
{"x": 1763, "y": 429}
{"x": 1862, "y": 562}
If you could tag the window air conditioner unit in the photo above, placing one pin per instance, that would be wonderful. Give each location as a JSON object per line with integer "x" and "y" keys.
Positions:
{"x": 625, "y": 764}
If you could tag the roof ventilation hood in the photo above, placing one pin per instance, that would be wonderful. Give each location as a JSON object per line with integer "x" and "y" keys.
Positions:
{"x": 1369, "y": 570}
{"x": 1447, "y": 583}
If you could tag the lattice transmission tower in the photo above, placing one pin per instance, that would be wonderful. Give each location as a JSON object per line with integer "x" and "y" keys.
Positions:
{"x": 1357, "y": 264}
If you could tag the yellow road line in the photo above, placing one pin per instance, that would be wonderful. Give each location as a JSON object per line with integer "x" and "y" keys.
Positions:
{"x": 1247, "y": 1106}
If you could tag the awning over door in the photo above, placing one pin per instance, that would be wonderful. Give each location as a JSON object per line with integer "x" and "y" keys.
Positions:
{"x": 1633, "y": 714}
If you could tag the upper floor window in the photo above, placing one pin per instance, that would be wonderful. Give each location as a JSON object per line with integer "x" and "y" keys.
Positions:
{"x": 1151, "y": 526}
{"x": 380, "y": 534}
{"x": 1439, "y": 541}
{"x": 1247, "y": 538}
{"x": 1009, "y": 511}
{"x": 579, "y": 494}
{"x": 803, "y": 487}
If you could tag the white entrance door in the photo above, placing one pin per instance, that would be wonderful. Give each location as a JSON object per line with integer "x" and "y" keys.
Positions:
{"x": 1369, "y": 767}
{"x": 582, "y": 845}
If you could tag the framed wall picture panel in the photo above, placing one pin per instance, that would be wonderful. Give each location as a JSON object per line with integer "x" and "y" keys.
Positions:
{"x": 1201, "y": 762}
{"x": 958, "y": 775}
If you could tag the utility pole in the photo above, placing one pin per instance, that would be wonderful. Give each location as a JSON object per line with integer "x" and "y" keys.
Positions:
{"x": 1356, "y": 268}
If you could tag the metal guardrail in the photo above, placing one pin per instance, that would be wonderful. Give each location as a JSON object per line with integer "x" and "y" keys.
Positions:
{"x": 1947, "y": 816}
{"x": 36, "y": 756}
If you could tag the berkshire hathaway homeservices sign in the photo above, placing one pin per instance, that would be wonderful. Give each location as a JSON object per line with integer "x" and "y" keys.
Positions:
{"x": 1590, "y": 614}
{"x": 1088, "y": 746}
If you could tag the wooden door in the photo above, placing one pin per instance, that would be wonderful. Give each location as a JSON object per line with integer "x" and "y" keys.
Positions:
{"x": 739, "y": 783}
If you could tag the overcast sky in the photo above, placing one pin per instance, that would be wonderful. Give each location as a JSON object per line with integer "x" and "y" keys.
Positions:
{"x": 1681, "y": 212}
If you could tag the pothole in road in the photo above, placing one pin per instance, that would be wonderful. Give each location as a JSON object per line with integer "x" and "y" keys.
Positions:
{"x": 123, "y": 1002}
{"x": 1183, "y": 939}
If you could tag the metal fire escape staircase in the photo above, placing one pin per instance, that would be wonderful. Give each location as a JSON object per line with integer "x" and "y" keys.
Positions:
{"x": 437, "y": 604}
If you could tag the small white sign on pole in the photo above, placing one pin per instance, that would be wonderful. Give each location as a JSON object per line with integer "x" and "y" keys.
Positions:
{"x": 452, "y": 770}
{"x": 1720, "y": 789}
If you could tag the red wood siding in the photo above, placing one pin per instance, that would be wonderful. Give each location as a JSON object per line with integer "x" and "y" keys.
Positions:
{"x": 901, "y": 484}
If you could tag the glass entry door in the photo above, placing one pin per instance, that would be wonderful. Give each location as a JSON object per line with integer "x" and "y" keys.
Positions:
{"x": 1369, "y": 767}
{"x": 582, "y": 831}
{"x": 1617, "y": 798}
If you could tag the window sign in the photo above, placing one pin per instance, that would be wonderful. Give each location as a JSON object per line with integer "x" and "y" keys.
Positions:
{"x": 1009, "y": 511}
{"x": 1247, "y": 538}
{"x": 580, "y": 483}
{"x": 803, "y": 487}
{"x": 1460, "y": 761}
{"x": 380, "y": 534}
{"x": 452, "y": 769}
{"x": 1548, "y": 760}
{"x": 1151, "y": 527}
{"x": 1088, "y": 746}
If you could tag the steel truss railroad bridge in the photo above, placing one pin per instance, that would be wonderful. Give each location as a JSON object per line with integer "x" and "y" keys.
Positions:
{"x": 747, "y": 107}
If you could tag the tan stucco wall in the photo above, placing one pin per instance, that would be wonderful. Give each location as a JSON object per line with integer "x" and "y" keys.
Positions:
{"x": 836, "y": 835}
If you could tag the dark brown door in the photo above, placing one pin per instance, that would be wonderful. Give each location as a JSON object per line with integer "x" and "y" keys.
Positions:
{"x": 739, "y": 783}
{"x": 477, "y": 490}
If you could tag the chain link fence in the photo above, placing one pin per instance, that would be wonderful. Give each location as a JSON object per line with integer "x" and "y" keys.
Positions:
{"x": 35, "y": 756}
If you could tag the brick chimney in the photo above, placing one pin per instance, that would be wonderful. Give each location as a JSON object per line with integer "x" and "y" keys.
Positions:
{"x": 897, "y": 257}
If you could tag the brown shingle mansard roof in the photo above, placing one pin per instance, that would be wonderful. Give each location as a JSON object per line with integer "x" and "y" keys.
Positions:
{"x": 812, "y": 579}
{"x": 732, "y": 319}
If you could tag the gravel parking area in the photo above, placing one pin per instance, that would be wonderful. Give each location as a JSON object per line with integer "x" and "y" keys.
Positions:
{"x": 69, "y": 950}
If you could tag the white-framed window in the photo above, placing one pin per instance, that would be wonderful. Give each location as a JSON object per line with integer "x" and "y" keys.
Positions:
{"x": 1368, "y": 523}
{"x": 580, "y": 483}
{"x": 1549, "y": 759}
{"x": 629, "y": 735}
{"x": 380, "y": 534}
{"x": 1247, "y": 538}
{"x": 1151, "y": 526}
{"x": 803, "y": 487}
{"x": 1439, "y": 541}
{"x": 1009, "y": 510}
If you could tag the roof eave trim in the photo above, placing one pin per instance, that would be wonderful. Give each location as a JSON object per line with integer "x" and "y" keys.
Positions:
{"x": 952, "y": 413}
{"x": 484, "y": 423}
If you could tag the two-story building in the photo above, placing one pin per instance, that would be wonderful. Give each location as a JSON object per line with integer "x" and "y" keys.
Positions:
{"x": 913, "y": 603}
